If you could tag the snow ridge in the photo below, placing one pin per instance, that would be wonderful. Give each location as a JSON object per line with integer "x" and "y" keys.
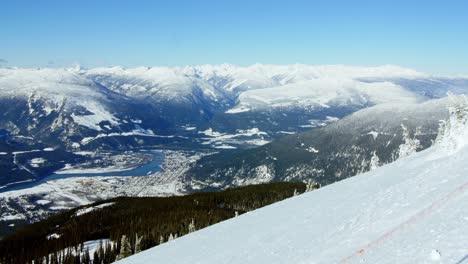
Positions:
{"x": 453, "y": 133}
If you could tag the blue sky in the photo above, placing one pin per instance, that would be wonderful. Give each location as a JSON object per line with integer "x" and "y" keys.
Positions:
{"x": 429, "y": 36}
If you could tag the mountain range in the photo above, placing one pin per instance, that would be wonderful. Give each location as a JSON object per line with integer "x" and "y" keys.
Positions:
{"x": 255, "y": 124}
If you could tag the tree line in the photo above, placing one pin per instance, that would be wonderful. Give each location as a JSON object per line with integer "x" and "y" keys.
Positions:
{"x": 134, "y": 224}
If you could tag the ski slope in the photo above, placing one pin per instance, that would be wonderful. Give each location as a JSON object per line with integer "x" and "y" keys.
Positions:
{"x": 414, "y": 210}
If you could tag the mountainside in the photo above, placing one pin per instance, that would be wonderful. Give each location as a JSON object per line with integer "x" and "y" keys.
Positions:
{"x": 120, "y": 108}
{"x": 80, "y": 118}
{"x": 150, "y": 220}
{"x": 360, "y": 142}
{"x": 61, "y": 107}
{"x": 410, "y": 211}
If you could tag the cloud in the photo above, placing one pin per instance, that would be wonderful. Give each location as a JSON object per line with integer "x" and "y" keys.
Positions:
{"x": 3, "y": 61}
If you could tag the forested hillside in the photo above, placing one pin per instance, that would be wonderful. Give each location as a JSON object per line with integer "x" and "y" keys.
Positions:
{"x": 123, "y": 226}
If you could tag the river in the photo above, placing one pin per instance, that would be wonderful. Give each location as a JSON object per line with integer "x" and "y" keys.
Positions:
{"x": 150, "y": 167}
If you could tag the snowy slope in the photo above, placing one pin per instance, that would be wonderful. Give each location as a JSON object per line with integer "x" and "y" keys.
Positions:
{"x": 215, "y": 82}
{"x": 410, "y": 211}
{"x": 55, "y": 90}
{"x": 324, "y": 92}
{"x": 355, "y": 144}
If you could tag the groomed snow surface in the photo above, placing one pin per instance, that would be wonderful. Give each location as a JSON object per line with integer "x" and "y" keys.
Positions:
{"x": 410, "y": 211}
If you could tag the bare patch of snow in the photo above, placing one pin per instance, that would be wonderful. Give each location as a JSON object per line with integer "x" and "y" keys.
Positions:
{"x": 37, "y": 162}
{"x": 90, "y": 209}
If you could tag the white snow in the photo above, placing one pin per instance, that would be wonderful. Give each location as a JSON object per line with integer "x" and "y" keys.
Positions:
{"x": 225, "y": 147}
{"x": 238, "y": 109}
{"x": 374, "y": 134}
{"x": 53, "y": 236}
{"x": 374, "y": 162}
{"x": 9, "y": 217}
{"x": 99, "y": 114}
{"x": 136, "y": 132}
{"x": 322, "y": 92}
{"x": 90, "y": 246}
{"x": 312, "y": 150}
{"x": 263, "y": 174}
{"x": 409, "y": 146}
{"x": 258, "y": 85}
{"x": 37, "y": 162}
{"x": 71, "y": 192}
{"x": 43, "y": 202}
{"x": 435, "y": 255}
{"x": 409, "y": 211}
{"x": 93, "y": 208}
{"x": 218, "y": 139}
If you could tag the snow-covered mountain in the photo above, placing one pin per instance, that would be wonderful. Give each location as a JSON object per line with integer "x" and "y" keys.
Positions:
{"x": 410, "y": 211}
{"x": 73, "y": 104}
{"x": 208, "y": 106}
{"x": 357, "y": 143}
{"x": 62, "y": 107}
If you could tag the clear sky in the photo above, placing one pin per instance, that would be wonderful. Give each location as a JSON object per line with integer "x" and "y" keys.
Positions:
{"x": 430, "y": 36}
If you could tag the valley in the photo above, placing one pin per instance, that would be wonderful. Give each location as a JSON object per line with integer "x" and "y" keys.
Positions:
{"x": 74, "y": 136}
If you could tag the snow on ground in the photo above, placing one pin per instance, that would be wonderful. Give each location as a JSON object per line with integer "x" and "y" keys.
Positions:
{"x": 263, "y": 173}
{"x": 63, "y": 194}
{"x": 135, "y": 132}
{"x": 224, "y": 147}
{"x": 43, "y": 202}
{"x": 93, "y": 245}
{"x": 323, "y": 92}
{"x": 55, "y": 87}
{"x": 410, "y": 211}
{"x": 53, "y": 236}
{"x": 90, "y": 246}
{"x": 37, "y": 162}
{"x": 68, "y": 169}
{"x": 92, "y": 208}
{"x": 9, "y": 217}
{"x": 253, "y": 137}
{"x": 97, "y": 115}
{"x": 175, "y": 82}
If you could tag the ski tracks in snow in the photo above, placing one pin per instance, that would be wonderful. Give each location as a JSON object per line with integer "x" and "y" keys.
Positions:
{"x": 412, "y": 220}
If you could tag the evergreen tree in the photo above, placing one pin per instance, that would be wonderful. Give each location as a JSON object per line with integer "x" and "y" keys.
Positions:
{"x": 125, "y": 248}
{"x": 171, "y": 237}
{"x": 138, "y": 243}
{"x": 311, "y": 185}
{"x": 86, "y": 259}
{"x": 191, "y": 227}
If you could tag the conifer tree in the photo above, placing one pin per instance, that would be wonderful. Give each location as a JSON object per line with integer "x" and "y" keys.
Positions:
{"x": 138, "y": 243}
{"x": 86, "y": 259}
{"x": 125, "y": 248}
{"x": 311, "y": 185}
{"x": 191, "y": 227}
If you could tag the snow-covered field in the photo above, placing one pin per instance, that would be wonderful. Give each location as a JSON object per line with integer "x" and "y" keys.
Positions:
{"x": 411, "y": 211}
{"x": 253, "y": 137}
{"x": 322, "y": 92}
